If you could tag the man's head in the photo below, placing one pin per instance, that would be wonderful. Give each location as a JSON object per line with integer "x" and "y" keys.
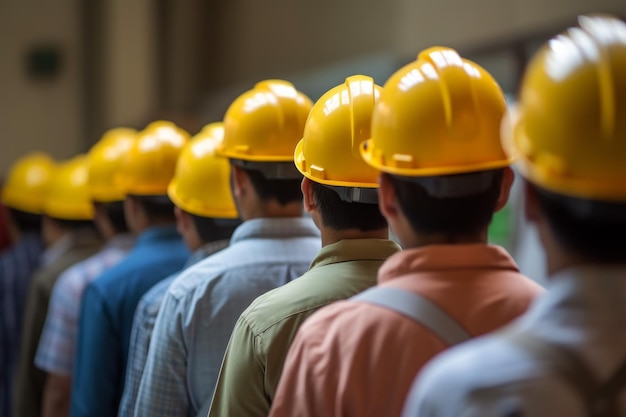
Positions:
{"x": 436, "y": 138}
{"x": 25, "y": 190}
{"x": 568, "y": 134}
{"x": 339, "y": 187}
{"x": 261, "y": 129}
{"x": 67, "y": 206}
{"x": 205, "y": 209}
{"x": 449, "y": 219}
{"x": 105, "y": 160}
{"x": 146, "y": 172}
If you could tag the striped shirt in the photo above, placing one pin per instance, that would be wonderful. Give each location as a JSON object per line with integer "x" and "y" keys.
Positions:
{"x": 17, "y": 264}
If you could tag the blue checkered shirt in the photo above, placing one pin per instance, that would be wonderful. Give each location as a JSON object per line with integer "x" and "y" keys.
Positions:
{"x": 57, "y": 345}
{"x": 143, "y": 323}
{"x": 17, "y": 264}
{"x": 202, "y": 305}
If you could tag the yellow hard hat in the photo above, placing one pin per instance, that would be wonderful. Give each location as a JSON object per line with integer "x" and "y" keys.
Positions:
{"x": 265, "y": 123}
{"x": 568, "y": 131}
{"x": 105, "y": 160}
{"x": 68, "y": 194}
{"x": 201, "y": 185}
{"x": 439, "y": 115}
{"x": 337, "y": 125}
{"x": 150, "y": 163}
{"x": 27, "y": 183}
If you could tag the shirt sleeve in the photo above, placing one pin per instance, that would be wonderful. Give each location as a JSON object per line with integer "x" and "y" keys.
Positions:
{"x": 240, "y": 387}
{"x": 163, "y": 390}
{"x": 97, "y": 380}
{"x": 57, "y": 344}
{"x": 307, "y": 388}
{"x": 143, "y": 324}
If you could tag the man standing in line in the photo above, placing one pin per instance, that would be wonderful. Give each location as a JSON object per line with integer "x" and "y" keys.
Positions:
{"x": 339, "y": 192}
{"x": 435, "y": 137}
{"x": 109, "y": 302}
{"x": 567, "y": 355}
{"x": 70, "y": 236}
{"x": 23, "y": 196}
{"x": 206, "y": 217}
{"x": 274, "y": 245}
{"x": 57, "y": 346}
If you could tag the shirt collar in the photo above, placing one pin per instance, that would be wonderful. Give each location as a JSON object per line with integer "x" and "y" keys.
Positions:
{"x": 157, "y": 233}
{"x": 122, "y": 241}
{"x": 29, "y": 238}
{"x": 57, "y": 249}
{"x": 446, "y": 257}
{"x": 206, "y": 250}
{"x": 283, "y": 227}
{"x": 67, "y": 242}
{"x": 355, "y": 250}
{"x": 590, "y": 294}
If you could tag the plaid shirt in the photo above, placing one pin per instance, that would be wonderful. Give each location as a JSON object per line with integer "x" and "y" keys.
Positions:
{"x": 143, "y": 323}
{"x": 57, "y": 345}
{"x": 201, "y": 306}
{"x": 17, "y": 264}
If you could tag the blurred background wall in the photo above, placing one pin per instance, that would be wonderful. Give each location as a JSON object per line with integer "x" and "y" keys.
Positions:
{"x": 71, "y": 69}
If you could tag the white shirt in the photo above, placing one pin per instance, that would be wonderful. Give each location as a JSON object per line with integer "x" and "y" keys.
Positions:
{"x": 584, "y": 309}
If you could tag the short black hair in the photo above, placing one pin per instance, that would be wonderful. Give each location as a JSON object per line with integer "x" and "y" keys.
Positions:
{"x": 592, "y": 229}
{"x": 156, "y": 207}
{"x": 115, "y": 213}
{"x": 73, "y": 225}
{"x": 454, "y": 216}
{"x": 212, "y": 229}
{"x": 25, "y": 221}
{"x": 284, "y": 191}
{"x": 341, "y": 215}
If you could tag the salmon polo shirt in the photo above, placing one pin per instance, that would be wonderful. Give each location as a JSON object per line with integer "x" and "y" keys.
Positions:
{"x": 354, "y": 358}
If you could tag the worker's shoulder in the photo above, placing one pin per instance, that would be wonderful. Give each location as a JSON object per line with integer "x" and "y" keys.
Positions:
{"x": 483, "y": 363}
{"x": 315, "y": 289}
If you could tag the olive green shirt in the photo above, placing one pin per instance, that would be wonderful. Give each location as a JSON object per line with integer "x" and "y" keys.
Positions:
{"x": 262, "y": 336}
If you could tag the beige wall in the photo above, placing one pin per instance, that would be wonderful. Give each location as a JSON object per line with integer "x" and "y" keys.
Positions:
{"x": 41, "y": 115}
{"x": 130, "y": 88}
{"x": 281, "y": 37}
{"x": 465, "y": 24}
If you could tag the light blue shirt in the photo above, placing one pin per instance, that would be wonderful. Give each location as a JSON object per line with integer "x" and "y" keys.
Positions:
{"x": 143, "y": 324}
{"x": 583, "y": 309}
{"x": 203, "y": 304}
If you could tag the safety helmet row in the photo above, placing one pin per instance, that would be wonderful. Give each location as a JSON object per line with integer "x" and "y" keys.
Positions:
{"x": 439, "y": 115}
